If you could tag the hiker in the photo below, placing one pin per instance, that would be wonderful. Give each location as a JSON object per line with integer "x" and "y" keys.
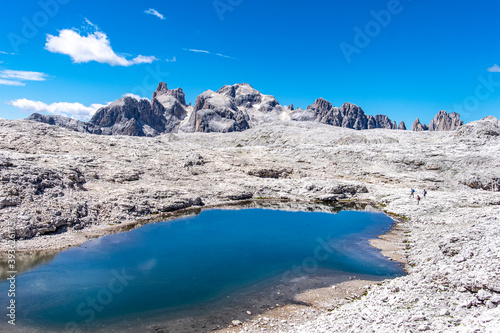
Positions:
{"x": 412, "y": 194}
{"x": 418, "y": 200}
{"x": 425, "y": 193}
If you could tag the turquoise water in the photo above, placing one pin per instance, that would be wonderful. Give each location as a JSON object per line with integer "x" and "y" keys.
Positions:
{"x": 185, "y": 264}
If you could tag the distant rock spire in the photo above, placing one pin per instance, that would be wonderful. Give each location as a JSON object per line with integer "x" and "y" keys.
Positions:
{"x": 444, "y": 121}
{"x": 418, "y": 126}
{"x": 402, "y": 126}
{"x": 162, "y": 90}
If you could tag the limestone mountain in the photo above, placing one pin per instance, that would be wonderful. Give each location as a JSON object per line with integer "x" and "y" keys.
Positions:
{"x": 418, "y": 126}
{"x": 348, "y": 115}
{"x": 214, "y": 112}
{"x": 232, "y": 108}
{"x": 443, "y": 121}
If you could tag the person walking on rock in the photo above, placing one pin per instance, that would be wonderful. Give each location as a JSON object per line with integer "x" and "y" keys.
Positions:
{"x": 418, "y": 200}
{"x": 412, "y": 193}
{"x": 425, "y": 193}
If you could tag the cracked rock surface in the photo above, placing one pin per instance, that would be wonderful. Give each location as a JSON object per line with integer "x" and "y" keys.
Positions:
{"x": 60, "y": 186}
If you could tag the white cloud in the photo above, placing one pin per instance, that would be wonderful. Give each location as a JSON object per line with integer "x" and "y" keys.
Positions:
{"x": 154, "y": 12}
{"x": 137, "y": 97}
{"x": 197, "y": 51}
{"x": 11, "y": 83}
{"x": 14, "y": 78}
{"x": 174, "y": 59}
{"x": 208, "y": 52}
{"x": 92, "y": 25}
{"x": 93, "y": 47}
{"x": 73, "y": 110}
{"x": 23, "y": 75}
{"x": 9, "y": 53}
{"x": 494, "y": 69}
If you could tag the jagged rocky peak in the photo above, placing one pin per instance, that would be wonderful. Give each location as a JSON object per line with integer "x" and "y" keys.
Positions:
{"x": 243, "y": 94}
{"x": 418, "y": 126}
{"x": 214, "y": 101}
{"x": 232, "y": 108}
{"x": 216, "y": 112}
{"x": 129, "y": 116}
{"x": 354, "y": 117}
{"x": 381, "y": 121}
{"x": 322, "y": 105}
{"x": 163, "y": 90}
{"x": 348, "y": 115}
{"x": 320, "y": 112}
{"x": 444, "y": 121}
{"x": 170, "y": 103}
{"x": 402, "y": 126}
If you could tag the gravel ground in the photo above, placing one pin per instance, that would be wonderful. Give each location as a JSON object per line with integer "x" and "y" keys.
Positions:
{"x": 61, "y": 188}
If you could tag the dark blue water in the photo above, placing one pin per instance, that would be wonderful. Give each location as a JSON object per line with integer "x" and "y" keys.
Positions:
{"x": 185, "y": 263}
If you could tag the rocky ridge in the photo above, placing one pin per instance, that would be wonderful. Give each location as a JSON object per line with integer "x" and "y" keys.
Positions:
{"x": 231, "y": 109}
{"x": 443, "y": 121}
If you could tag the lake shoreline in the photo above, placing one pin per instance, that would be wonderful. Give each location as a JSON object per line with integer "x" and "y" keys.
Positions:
{"x": 297, "y": 291}
{"x": 51, "y": 245}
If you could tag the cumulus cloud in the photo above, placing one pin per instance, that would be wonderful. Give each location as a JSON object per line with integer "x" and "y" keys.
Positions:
{"x": 15, "y": 78}
{"x": 494, "y": 69}
{"x": 154, "y": 12}
{"x": 95, "y": 46}
{"x": 174, "y": 59}
{"x": 73, "y": 110}
{"x": 208, "y": 52}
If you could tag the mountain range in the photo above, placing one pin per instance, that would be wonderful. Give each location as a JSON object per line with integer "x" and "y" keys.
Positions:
{"x": 232, "y": 108}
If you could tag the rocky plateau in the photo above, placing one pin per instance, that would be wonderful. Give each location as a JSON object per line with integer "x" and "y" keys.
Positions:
{"x": 62, "y": 185}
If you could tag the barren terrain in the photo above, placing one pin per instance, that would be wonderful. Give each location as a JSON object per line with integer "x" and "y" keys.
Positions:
{"x": 61, "y": 187}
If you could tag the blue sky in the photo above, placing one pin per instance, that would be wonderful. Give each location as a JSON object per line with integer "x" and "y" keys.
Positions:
{"x": 405, "y": 59}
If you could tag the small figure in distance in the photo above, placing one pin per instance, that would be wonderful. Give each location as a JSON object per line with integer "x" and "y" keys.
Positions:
{"x": 412, "y": 193}
{"x": 425, "y": 193}
{"x": 418, "y": 200}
